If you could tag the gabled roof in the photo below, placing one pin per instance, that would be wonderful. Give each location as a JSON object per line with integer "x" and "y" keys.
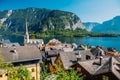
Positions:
{"x": 99, "y": 51}
{"x": 70, "y": 58}
{"x": 20, "y": 53}
{"x": 5, "y": 41}
{"x": 115, "y": 67}
{"x": 109, "y": 64}
{"x": 53, "y": 53}
{"x": 8, "y": 43}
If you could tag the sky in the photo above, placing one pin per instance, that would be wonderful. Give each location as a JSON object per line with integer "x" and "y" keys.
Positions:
{"x": 87, "y": 10}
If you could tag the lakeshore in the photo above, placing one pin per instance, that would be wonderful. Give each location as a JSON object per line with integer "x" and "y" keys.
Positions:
{"x": 91, "y": 41}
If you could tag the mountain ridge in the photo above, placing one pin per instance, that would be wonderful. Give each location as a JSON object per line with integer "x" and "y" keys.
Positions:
{"x": 109, "y": 26}
{"x": 39, "y": 19}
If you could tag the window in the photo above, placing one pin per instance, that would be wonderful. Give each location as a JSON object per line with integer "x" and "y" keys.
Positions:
{"x": 0, "y": 75}
{"x": 33, "y": 70}
{"x": 6, "y": 74}
{"x": 87, "y": 57}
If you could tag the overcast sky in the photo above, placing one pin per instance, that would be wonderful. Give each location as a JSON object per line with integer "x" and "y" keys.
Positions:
{"x": 87, "y": 10}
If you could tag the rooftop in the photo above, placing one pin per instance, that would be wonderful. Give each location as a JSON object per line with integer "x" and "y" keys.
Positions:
{"x": 70, "y": 58}
{"x": 109, "y": 64}
{"x": 20, "y": 53}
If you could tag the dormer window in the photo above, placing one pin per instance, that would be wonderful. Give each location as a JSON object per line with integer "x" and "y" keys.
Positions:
{"x": 14, "y": 50}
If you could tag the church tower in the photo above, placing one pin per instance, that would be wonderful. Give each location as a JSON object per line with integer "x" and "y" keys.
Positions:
{"x": 26, "y": 36}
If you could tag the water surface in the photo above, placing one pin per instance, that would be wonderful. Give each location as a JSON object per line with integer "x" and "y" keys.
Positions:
{"x": 92, "y": 41}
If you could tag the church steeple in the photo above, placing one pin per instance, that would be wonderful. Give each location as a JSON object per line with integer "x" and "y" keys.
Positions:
{"x": 26, "y": 37}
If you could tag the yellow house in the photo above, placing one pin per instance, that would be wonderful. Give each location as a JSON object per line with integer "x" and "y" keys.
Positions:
{"x": 28, "y": 56}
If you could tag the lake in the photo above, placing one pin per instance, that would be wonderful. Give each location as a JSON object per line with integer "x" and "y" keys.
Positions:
{"x": 92, "y": 41}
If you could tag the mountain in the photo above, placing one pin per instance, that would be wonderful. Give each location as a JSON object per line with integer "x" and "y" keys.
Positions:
{"x": 110, "y": 26}
{"x": 38, "y": 19}
{"x": 90, "y": 25}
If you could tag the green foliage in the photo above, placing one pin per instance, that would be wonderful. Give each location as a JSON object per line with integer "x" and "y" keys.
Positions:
{"x": 59, "y": 19}
{"x": 39, "y": 19}
{"x": 63, "y": 33}
{"x": 45, "y": 72}
{"x": 32, "y": 36}
{"x": 15, "y": 73}
{"x": 60, "y": 74}
{"x": 70, "y": 75}
{"x": 24, "y": 74}
{"x": 1, "y": 59}
{"x": 44, "y": 23}
{"x": 104, "y": 77}
{"x": 20, "y": 73}
{"x": 71, "y": 33}
{"x": 4, "y": 65}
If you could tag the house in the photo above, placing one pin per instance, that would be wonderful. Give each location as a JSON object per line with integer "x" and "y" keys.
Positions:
{"x": 97, "y": 69}
{"x": 112, "y": 52}
{"x": 83, "y": 46}
{"x": 57, "y": 45}
{"x": 28, "y": 56}
{"x": 99, "y": 51}
{"x": 54, "y": 41}
{"x": 67, "y": 59}
{"x": 8, "y": 43}
{"x": 51, "y": 56}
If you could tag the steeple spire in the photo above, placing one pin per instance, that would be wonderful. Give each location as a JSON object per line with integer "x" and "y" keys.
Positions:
{"x": 26, "y": 37}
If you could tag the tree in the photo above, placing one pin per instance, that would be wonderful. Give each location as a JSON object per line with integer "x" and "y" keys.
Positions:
{"x": 1, "y": 60}
{"x": 52, "y": 69}
{"x": 20, "y": 73}
{"x": 70, "y": 75}
{"x": 24, "y": 74}
{"x": 44, "y": 72}
{"x": 32, "y": 36}
{"x": 60, "y": 74}
{"x": 14, "y": 73}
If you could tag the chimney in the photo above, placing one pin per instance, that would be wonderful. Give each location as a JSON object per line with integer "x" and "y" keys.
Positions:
{"x": 101, "y": 60}
{"x": 78, "y": 57}
{"x": 14, "y": 50}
